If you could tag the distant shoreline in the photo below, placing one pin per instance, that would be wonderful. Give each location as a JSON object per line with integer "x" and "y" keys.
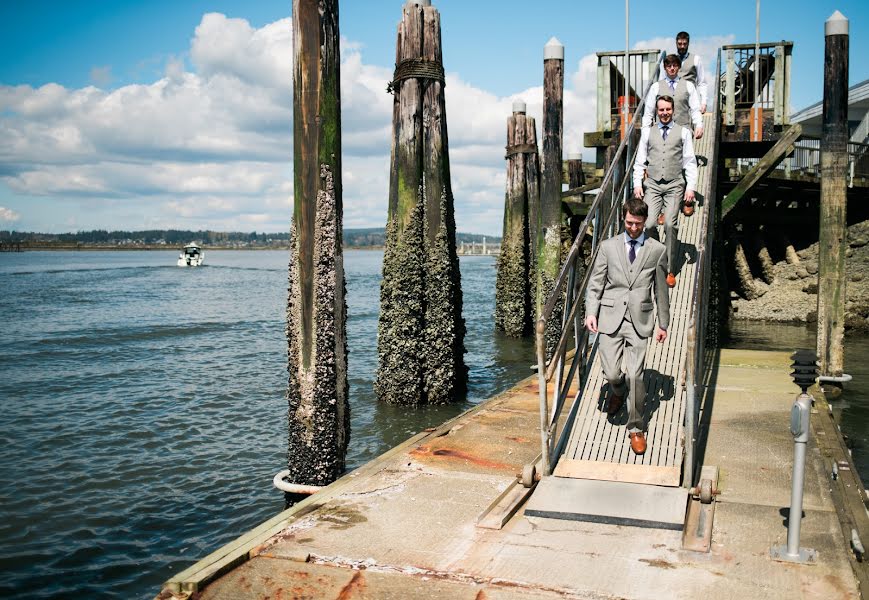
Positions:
{"x": 90, "y": 248}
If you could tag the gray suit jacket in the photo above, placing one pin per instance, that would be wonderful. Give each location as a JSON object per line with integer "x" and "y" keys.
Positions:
{"x": 616, "y": 287}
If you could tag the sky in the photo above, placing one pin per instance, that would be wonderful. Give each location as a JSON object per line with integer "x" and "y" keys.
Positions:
{"x": 178, "y": 115}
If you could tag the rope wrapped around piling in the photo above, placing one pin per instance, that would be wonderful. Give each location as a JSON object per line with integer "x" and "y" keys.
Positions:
{"x": 419, "y": 68}
{"x": 520, "y": 149}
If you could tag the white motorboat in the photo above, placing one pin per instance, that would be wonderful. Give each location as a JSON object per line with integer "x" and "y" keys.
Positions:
{"x": 191, "y": 256}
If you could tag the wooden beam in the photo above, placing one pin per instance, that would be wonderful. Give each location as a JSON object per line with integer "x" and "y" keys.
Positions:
{"x": 597, "y": 139}
{"x": 762, "y": 168}
{"x": 571, "y": 194}
{"x": 629, "y": 473}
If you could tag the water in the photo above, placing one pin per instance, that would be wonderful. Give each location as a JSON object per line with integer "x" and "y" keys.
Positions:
{"x": 144, "y": 413}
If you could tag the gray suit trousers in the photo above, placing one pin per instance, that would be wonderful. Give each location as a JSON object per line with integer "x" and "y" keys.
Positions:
{"x": 666, "y": 197}
{"x": 625, "y": 351}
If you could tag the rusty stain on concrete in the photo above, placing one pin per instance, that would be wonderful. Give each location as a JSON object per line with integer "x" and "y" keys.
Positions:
{"x": 354, "y": 585}
{"x": 422, "y": 452}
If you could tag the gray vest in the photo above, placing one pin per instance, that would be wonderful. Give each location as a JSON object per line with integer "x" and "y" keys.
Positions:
{"x": 681, "y": 108}
{"x": 665, "y": 156}
{"x": 688, "y": 70}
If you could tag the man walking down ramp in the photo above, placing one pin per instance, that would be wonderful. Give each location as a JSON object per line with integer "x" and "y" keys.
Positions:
{"x": 665, "y": 152}
{"x": 629, "y": 268}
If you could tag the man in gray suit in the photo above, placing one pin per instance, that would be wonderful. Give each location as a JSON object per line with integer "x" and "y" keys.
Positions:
{"x": 665, "y": 155}
{"x": 629, "y": 267}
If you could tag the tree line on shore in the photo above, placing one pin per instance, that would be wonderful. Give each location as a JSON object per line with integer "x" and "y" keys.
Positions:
{"x": 353, "y": 238}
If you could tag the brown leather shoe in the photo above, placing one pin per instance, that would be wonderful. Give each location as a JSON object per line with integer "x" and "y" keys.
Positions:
{"x": 688, "y": 208}
{"x": 615, "y": 404}
{"x": 638, "y": 442}
{"x": 671, "y": 280}
{"x": 661, "y": 219}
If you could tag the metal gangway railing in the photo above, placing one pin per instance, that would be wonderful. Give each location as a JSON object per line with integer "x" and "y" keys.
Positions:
{"x": 805, "y": 161}
{"x": 557, "y": 372}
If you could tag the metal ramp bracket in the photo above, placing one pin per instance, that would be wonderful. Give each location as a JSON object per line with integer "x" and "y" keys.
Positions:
{"x": 697, "y": 535}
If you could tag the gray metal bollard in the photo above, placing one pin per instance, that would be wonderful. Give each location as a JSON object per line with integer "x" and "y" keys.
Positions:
{"x": 804, "y": 374}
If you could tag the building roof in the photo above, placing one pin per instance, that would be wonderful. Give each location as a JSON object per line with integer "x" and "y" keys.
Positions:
{"x": 858, "y": 104}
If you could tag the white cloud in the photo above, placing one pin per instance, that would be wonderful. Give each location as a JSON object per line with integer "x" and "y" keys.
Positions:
{"x": 8, "y": 216}
{"x": 210, "y": 143}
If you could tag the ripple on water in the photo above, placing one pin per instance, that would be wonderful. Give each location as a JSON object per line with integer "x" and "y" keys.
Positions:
{"x": 144, "y": 409}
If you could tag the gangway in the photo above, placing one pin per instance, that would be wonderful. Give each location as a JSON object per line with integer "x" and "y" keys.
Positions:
{"x": 587, "y": 470}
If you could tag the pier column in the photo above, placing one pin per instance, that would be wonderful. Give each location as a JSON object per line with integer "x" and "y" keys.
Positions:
{"x": 421, "y": 332}
{"x": 319, "y": 414}
{"x": 834, "y": 166}
{"x": 549, "y": 216}
{"x": 514, "y": 289}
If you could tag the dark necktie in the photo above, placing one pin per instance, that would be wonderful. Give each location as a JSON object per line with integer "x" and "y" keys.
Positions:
{"x": 632, "y": 253}
{"x": 664, "y": 131}
{"x": 672, "y": 83}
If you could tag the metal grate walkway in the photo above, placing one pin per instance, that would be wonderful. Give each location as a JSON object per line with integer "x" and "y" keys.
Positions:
{"x": 598, "y": 447}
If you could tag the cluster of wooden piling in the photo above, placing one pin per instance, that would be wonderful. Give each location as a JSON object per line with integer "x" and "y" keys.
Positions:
{"x": 515, "y": 285}
{"x": 531, "y": 247}
{"x": 421, "y": 330}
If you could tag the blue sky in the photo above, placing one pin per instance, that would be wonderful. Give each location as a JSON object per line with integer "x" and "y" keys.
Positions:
{"x": 127, "y": 115}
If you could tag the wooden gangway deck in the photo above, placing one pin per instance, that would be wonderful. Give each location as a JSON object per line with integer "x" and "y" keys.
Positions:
{"x": 598, "y": 447}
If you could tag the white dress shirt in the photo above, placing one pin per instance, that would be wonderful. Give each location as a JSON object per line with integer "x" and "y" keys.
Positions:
{"x": 639, "y": 240}
{"x": 649, "y": 110}
{"x": 689, "y": 160}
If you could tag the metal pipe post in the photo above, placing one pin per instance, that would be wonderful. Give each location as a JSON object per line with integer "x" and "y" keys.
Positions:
{"x": 800, "y": 417}
{"x": 795, "y": 516}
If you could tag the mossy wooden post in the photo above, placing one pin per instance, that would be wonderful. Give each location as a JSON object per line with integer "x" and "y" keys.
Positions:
{"x": 549, "y": 215}
{"x": 834, "y": 165}
{"x": 421, "y": 330}
{"x": 319, "y": 414}
{"x": 513, "y": 287}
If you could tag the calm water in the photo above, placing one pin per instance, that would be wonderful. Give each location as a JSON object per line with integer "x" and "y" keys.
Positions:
{"x": 144, "y": 413}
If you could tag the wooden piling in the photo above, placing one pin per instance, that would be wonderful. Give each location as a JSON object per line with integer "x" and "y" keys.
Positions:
{"x": 319, "y": 414}
{"x": 513, "y": 287}
{"x": 750, "y": 289}
{"x": 549, "y": 217}
{"x": 767, "y": 266}
{"x": 834, "y": 165}
{"x": 784, "y": 242}
{"x": 421, "y": 330}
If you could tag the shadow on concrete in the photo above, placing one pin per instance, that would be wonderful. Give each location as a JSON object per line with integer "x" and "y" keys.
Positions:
{"x": 706, "y": 399}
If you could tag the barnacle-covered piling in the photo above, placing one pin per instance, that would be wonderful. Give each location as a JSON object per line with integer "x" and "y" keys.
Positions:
{"x": 421, "y": 330}
{"x": 319, "y": 413}
{"x": 514, "y": 286}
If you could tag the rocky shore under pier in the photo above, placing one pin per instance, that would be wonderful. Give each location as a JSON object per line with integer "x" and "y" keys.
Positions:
{"x": 791, "y": 296}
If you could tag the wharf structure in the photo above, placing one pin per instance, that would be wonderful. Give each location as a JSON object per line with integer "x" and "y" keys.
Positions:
{"x": 536, "y": 494}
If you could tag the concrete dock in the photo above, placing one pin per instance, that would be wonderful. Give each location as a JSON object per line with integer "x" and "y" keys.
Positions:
{"x": 404, "y": 525}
